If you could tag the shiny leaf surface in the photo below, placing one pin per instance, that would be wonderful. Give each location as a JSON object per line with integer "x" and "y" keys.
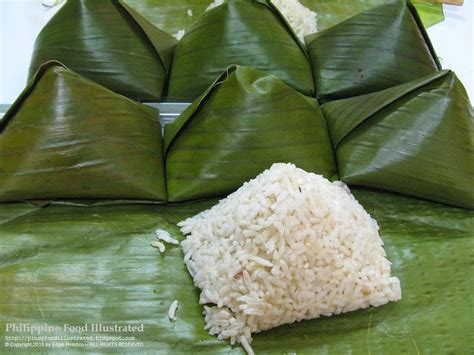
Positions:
{"x": 416, "y": 138}
{"x": 172, "y": 15}
{"x": 79, "y": 265}
{"x": 430, "y": 12}
{"x": 244, "y": 123}
{"x": 332, "y": 12}
{"x": 248, "y": 33}
{"x": 109, "y": 43}
{"x": 68, "y": 137}
{"x": 377, "y": 49}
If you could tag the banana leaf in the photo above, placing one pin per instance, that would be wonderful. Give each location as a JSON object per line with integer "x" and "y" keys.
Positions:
{"x": 431, "y": 13}
{"x": 246, "y": 121}
{"x": 416, "y": 138}
{"x": 172, "y": 15}
{"x": 73, "y": 265}
{"x": 68, "y": 137}
{"x": 247, "y": 33}
{"x": 109, "y": 42}
{"x": 377, "y": 49}
{"x": 333, "y": 12}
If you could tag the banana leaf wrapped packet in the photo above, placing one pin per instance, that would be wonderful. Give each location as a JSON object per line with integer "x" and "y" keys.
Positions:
{"x": 416, "y": 138}
{"x": 109, "y": 42}
{"x": 241, "y": 32}
{"x": 68, "y": 137}
{"x": 377, "y": 49}
{"x": 243, "y": 123}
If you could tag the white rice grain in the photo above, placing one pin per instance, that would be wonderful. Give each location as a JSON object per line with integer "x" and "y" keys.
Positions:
{"x": 166, "y": 237}
{"x": 246, "y": 345}
{"x": 180, "y": 34}
{"x": 158, "y": 245}
{"x": 172, "y": 311}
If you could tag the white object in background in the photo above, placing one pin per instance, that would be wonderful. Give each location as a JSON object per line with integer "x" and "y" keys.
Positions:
{"x": 453, "y": 42}
{"x": 22, "y": 20}
{"x": 20, "y": 23}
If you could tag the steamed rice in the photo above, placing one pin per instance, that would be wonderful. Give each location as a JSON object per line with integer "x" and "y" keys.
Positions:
{"x": 287, "y": 246}
{"x": 172, "y": 311}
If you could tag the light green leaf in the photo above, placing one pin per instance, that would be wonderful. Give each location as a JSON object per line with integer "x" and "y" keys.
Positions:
{"x": 79, "y": 265}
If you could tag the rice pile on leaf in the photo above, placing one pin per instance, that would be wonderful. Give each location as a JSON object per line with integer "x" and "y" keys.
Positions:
{"x": 287, "y": 246}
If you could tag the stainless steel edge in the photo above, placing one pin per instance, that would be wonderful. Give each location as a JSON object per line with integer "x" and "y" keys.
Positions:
{"x": 168, "y": 110}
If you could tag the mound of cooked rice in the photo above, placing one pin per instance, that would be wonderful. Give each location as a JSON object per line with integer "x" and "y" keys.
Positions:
{"x": 287, "y": 246}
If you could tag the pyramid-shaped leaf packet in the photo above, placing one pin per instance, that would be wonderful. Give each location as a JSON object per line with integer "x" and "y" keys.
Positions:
{"x": 416, "y": 138}
{"x": 239, "y": 127}
{"x": 68, "y": 137}
{"x": 379, "y": 48}
{"x": 242, "y": 32}
{"x": 109, "y": 42}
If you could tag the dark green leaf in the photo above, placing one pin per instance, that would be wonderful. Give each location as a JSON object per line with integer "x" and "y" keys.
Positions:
{"x": 68, "y": 137}
{"x": 170, "y": 15}
{"x": 415, "y": 138}
{"x": 244, "y": 33}
{"x": 244, "y": 123}
{"x": 377, "y": 49}
{"x": 109, "y": 43}
{"x": 333, "y": 12}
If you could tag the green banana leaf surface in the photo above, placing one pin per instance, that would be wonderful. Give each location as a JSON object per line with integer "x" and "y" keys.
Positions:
{"x": 239, "y": 127}
{"x": 172, "y": 15}
{"x": 68, "y": 137}
{"x": 431, "y": 13}
{"x": 332, "y": 12}
{"x": 76, "y": 265}
{"x": 416, "y": 138}
{"x": 247, "y": 33}
{"x": 109, "y": 42}
{"x": 377, "y": 49}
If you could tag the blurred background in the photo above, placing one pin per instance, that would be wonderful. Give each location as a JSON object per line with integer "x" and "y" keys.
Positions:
{"x": 21, "y": 21}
